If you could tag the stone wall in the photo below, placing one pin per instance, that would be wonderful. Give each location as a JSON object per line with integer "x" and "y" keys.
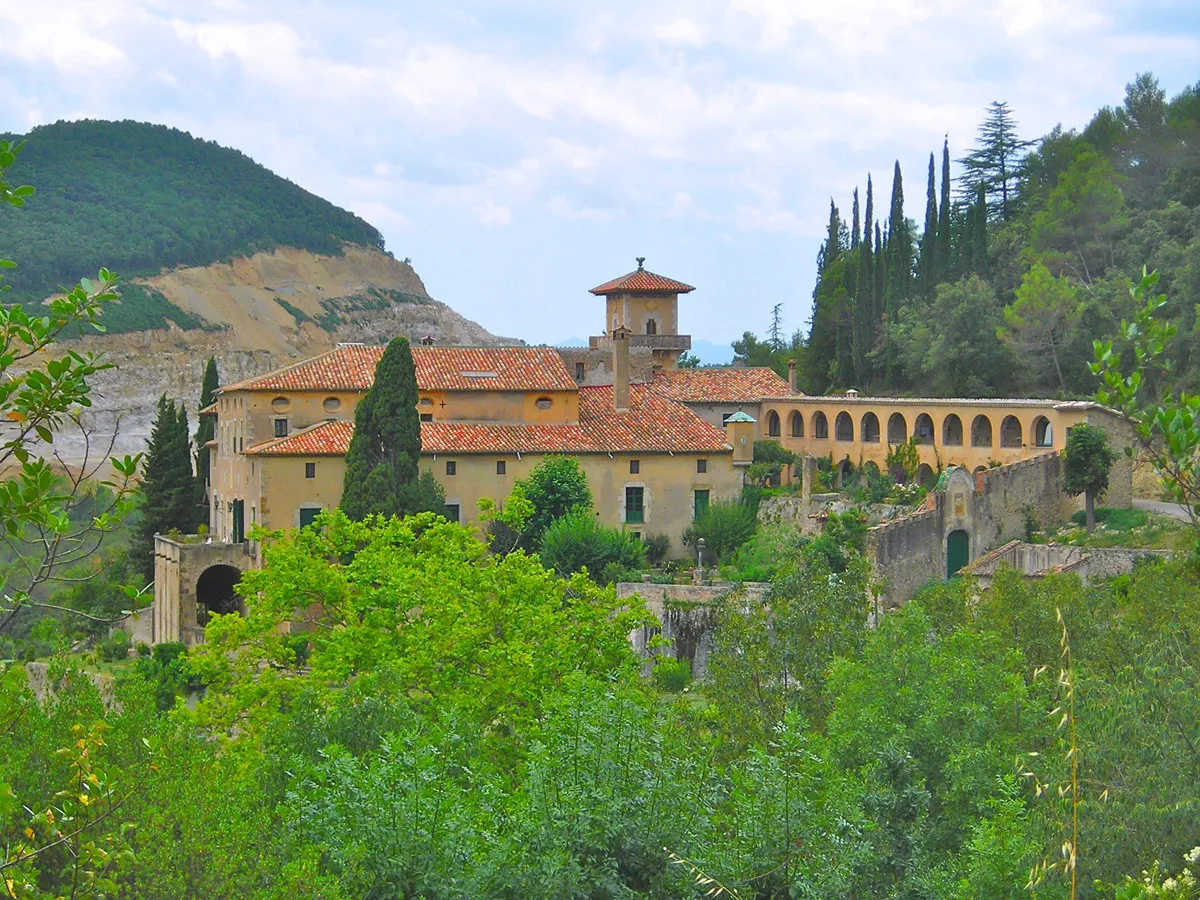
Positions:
{"x": 685, "y": 617}
{"x": 139, "y": 626}
{"x": 1038, "y": 560}
{"x": 178, "y": 565}
{"x": 1004, "y": 494}
{"x": 906, "y": 554}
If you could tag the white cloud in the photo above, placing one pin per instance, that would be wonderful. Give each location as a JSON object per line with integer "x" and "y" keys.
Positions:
{"x": 490, "y": 213}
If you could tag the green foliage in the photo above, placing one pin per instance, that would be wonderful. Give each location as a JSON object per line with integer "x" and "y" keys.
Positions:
{"x": 903, "y": 460}
{"x": 672, "y": 675}
{"x": 168, "y": 502}
{"x": 576, "y": 542}
{"x": 148, "y": 197}
{"x": 1086, "y": 465}
{"x": 556, "y": 487}
{"x": 144, "y": 309}
{"x": 382, "y": 475}
{"x": 656, "y": 546}
{"x": 724, "y": 526}
{"x": 114, "y": 647}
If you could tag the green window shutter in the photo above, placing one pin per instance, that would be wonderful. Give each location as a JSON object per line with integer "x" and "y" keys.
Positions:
{"x": 701, "y": 504}
{"x": 635, "y": 505}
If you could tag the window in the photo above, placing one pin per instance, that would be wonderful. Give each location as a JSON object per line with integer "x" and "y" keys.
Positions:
{"x": 281, "y": 428}
{"x": 501, "y": 467}
{"x": 773, "y": 424}
{"x": 543, "y": 403}
{"x": 635, "y": 466}
{"x": 651, "y": 327}
{"x": 725, "y": 419}
{"x": 701, "y": 466}
{"x": 579, "y": 372}
{"x": 451, "y": 511}
{"x": 451, "y": 467}
{"x": 310, "y": 470}
{"x": 280, "y": 404}
{"x": 331, "y": 404}
{"x": 426, "y": 417}
{"x": 700, "y": 504}
{"x": 635, "y": 505}
{"x": 307, "y": 515}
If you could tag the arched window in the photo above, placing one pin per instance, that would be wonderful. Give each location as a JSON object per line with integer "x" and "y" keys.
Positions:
{"x": 843, "y": 427}
{"x": 923, "y": 429}
{"x": 1043, "y": 432}
{"x": 772, "y": 424}
{"x": 543, "y": 403}
{"x": 651, "y": 327}
{"x": 796, "y": 424}
{"x": 981, "y": 432}
{"x": 952, "y": 432}
{"x": 924, "y": 474}
{"x": 871, "y": 470}
{"x": 869, "y": 429}
{"x": 1010, "y": 432}
{"x": 820, "y": 426}
{"x": 897, "y": 429}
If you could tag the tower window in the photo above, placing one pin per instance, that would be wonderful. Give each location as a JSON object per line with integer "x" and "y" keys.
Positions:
{"x": 651, "y": 327}
{"x": 310, "y": 470}
{"x": 579, "y": 372}
{"x": 451, "y": 467}
{"x": 701, "y": 466}
{"x": 281, "y": 428}
{"x": 635, "y": 466}
{"x": 501, "y": 467}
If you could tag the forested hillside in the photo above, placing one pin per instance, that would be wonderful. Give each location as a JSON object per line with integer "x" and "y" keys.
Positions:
{"x": 1020, "y": 262}
{"x": 138, "y": 198}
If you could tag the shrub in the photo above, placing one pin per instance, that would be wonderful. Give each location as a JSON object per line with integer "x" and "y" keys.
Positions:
{"x": 725, "y": 526}
{"x": 672, "y": 675}
{"x": 114, "y": 647}
{"x": 577, "y": 541}
{"x": 657, "y": 546}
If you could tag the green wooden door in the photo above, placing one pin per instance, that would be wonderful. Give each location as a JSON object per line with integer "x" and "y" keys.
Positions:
{"x": 958, "y": 552}
{"x": 307, "y": 515}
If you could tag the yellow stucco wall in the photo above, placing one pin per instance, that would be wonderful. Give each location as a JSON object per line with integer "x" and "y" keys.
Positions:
{"x": 634, "y": 311}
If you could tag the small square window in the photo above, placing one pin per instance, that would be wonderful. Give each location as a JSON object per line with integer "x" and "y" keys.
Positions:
{"x": 579, "y": 372}
{"x": 281, "y": 428}
{"x": 310, "y": 470}
{"x": 426, "y": 417}
{"x": 501, "y": 467}
{"x": 451, "y": 467}
{"x": 701, "y": 466}
{"x": 635, "y": 466}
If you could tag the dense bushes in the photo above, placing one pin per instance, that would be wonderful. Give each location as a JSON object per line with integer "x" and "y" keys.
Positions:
{"x": 724, "y": 526}
{"x": 577, "y": 541}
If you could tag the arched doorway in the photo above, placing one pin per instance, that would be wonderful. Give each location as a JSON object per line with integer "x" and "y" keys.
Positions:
{"x": 1043, "y": 432}
{"x": 958, "y": 552}
{"x": 952, "y": 431}
{"x": 897, "y": 429}
{"x": 797, "y": 422}
{"x": 923, "y": 429}
{"x": 215, "y": 592}
{"x": 981, "y": 432}
{"x": 843, "y": 427}
{"x": 869, "y": 429}
{"x": 925, "y": 474}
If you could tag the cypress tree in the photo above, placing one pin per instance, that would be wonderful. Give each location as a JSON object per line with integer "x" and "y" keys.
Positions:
{"x": 855, "y": 236}
{"x": 979, "y": 235}
{"x": 168, "y": 488}
{"x": 944, "y": 223}
{"x": 205, "y": 431}
{"x": 927, "y": 267}
{"x": 382, "y": 474}
{"x": 898, "y": 266}
{"x": 864, "y": 301}
{"x": 877, "y": 277}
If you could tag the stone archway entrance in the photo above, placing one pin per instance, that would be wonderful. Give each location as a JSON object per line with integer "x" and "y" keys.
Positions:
{"x": 958, "y": 552}
{"x": 215, "y": 592}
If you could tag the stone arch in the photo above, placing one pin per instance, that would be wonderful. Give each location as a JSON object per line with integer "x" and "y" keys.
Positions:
{"x": 1043, "y": 432}
{"x": 772, "y": 424}
{"x": 952, "y": 431}
{"x": 843, "y": 427}
{"x": 897, "y": 429}
{"x": 958, "y": 551}
{"x": 820, "y": 426}
{"x": 924, "y": 473}
{"x": 869, "y": 428}
{"x": 845, "y": 470}
{"x": 1010, "y": 432}
{"x": 981, "y": 432}
{"x": 796, "y": 424}
{"x": 923, "y": 429}
{"x": 216, "y": 591}
{"x": 979, "y": 469}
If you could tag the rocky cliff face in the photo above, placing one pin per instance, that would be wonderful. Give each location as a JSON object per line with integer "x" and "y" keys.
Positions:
{"x": 262, "y": 312}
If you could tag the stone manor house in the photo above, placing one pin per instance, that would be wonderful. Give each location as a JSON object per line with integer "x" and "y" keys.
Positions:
{"x": 658, "y": 443}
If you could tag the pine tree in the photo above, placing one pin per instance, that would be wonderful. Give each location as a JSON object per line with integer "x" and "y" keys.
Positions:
{"x": 382, "y": 474}
{"x": 205, "y": 431}
{"x": 979, "y": 237}
{"x": 995, "y": 163}
{"x": 944, "y": 263}
{"x": 168, "y": 487}
{"x": 775, "y": 328}
{"x": 927, "y": 267}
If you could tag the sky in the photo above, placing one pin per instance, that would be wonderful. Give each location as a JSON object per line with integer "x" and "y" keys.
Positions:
{"x": 523, "y": 152}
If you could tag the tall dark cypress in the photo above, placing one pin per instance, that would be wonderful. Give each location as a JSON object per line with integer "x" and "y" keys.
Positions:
{"x": 866, "y": 300}
{"x": 205, "y": 431}
{"x": 168, "y": 488}
{"x": 944, "y": 224}
{"x": 927, "y": 268}
{"x": 877, "y": 290}
{"x": 979, "y": 237}
{"x": 833, "y": 238}
{"x": 855, "y": 235}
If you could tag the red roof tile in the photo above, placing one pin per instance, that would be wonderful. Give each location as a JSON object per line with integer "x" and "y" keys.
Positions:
{"x": 642, "y": 280}
{"x": 726, "y": 385}
{"x": 651, "y": 425}
{"x": 324, "y": 439}
{"x": 352, "y": 368}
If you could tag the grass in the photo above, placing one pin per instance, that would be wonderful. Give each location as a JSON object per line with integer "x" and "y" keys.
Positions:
{"x": 1128, "y": 528}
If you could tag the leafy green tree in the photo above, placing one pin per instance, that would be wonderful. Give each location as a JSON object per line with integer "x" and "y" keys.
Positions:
{"x": 1086, "y": 466}
{"x": 724, "y": 526}
{"x": 382, "y": 475}
{"x": 168, "y": 487}
{"x": 556, "y": 487}
{"x": 205, "y": 432}
{"x": 1038, "y": 326}
{"x": 576, "y": 542}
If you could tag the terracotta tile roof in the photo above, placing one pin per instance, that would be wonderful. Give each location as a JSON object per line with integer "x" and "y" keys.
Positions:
{"x": 323, "y": 439}
{"x": 642, "y": 280}
{"x": 652, "y": 425}
{"x": 210, "y": 410}
{"x": 352, "y": 368}
{"x": 726, "y": 385}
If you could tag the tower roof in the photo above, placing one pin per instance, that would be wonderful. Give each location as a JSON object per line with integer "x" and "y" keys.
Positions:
{"x": 644, "y": 281}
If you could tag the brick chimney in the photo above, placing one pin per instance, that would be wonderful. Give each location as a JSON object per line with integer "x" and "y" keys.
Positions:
{"x": 620, "y": 343}
{"x": 792, "y": 375}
